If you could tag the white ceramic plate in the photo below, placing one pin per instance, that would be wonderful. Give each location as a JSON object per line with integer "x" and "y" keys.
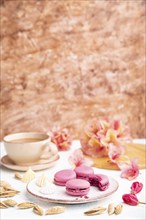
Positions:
{"x": 6, "y": 162}
{"x": 60, "y": 196}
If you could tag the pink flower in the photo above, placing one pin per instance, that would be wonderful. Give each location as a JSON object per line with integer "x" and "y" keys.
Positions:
{"x": 98, "y": 138}
{"x": 61, "y": 138}
{"x": 130, "y": 171}
{"x": 115, "y": 125}
{"x": 105, "y": 138}
{"x": 136, "y": 187}
{"x": 77, "y": 159}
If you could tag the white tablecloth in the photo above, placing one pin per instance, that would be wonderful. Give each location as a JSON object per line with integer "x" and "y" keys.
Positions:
{"x": 75, "y": 211}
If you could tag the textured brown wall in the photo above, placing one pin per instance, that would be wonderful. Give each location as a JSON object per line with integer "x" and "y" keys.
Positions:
{"x": 64, "y": 62}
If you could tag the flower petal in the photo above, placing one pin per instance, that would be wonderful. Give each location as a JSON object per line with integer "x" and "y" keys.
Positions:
{"x": 130, "y": 171}
{"x": 115, "y": 151}
{"x": 116, "y": 124}
{"x": 111, "y": 136}
{"x": 77, "y": 159}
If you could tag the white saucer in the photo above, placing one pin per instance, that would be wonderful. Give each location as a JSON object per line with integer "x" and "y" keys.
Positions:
{"x": 60, "y": 195}
{"x": 6, "y": 162}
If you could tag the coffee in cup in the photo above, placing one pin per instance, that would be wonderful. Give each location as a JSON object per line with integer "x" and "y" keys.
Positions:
{"x": 28, "y": 148}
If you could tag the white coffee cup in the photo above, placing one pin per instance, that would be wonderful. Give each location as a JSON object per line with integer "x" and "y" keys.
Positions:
{"x": 29, "y": 147}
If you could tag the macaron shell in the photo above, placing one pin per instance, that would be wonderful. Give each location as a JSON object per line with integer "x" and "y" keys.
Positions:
{"x": 77, "y": 184}
{"x": 59, "y": 183}
{"x": 83, "y": 172}
{"x": 62, "y": 176}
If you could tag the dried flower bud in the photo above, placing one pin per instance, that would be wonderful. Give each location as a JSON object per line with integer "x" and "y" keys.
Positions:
{"x": 136, "y": 187}
{"x": 131, "y": 199}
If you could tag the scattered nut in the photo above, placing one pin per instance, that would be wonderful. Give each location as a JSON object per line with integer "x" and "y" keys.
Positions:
{"x": 6, "y": 190}
{"x": 7, "y": 186}
{"x": 111, "y": 208}
{"x": 38, "y": 210}
{"x": 3, "y": 205}
{"x": 95, "y": 211}
{"x": 55, "y": 210}
{"x": 18, "y": 176}
{"x": 10, "y": 202}
{"x": 118, "y": 209}
{"x": 26, "y": 205}
{"x": 8, "y": 193}
{"x": 4, "y": 184}
{"x": 2, "y": 189}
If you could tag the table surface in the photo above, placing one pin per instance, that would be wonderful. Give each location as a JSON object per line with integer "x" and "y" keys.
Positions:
{"x": 75, "y": 211}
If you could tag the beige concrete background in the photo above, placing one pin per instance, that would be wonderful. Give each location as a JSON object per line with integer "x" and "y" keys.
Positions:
{"x": 64, "y": 62}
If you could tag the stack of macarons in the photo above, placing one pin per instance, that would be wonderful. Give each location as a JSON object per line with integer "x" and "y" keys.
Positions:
{"x": 79, "y": 180}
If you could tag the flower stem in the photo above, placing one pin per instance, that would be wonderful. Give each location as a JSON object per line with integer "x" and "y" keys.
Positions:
{"x": 141, "y": 202}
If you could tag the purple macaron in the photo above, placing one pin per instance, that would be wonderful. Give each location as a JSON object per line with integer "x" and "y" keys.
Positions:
{"x": 77, "y": 187}
{"x": 83, "y": 172}
{"x": 62, "y": 176}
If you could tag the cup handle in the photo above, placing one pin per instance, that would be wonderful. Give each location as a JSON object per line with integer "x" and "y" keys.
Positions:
{"x": 49, "y": 149}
